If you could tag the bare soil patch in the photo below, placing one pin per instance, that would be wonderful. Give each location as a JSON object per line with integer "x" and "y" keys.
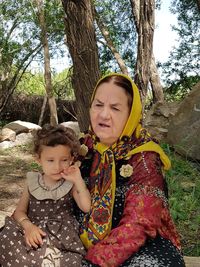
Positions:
{"x": 14, "y": 164}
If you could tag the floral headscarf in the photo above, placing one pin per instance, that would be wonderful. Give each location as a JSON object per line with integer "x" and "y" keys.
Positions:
{"x": 134, "y": 139}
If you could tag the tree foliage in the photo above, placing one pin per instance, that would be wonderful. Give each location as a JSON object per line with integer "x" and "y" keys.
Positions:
{"x": 34, "y": 84}
{"x": 62, "y": 85}
{"x": 31, "y": 84}
{"x": 126, "y": 26}
{"x": 181, "y": 71}
{"x": 20, "y": 40}
{"x": 117, "y": 17}
{"x": 20, "y": 43}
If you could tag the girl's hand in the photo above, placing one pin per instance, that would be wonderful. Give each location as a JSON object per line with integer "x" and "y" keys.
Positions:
{"x": 72, "y": 174}
{"x": 33, "y": 235}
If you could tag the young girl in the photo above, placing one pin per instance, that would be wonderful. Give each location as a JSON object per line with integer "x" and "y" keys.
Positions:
{"x": 43, "y": 231}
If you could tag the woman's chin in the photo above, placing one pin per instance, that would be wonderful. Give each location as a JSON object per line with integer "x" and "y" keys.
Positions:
{"x": 106, "y": 140}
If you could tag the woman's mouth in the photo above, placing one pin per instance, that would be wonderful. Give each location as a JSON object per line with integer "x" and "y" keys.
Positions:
{"x": 104, "y": 125}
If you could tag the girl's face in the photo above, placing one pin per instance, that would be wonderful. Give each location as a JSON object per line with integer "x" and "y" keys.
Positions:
{"x": 109, "y": 112}
{"x": 53, "y": 161}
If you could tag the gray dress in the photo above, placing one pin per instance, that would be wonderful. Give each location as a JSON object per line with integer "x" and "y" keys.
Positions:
{"x": 52, "y": 211}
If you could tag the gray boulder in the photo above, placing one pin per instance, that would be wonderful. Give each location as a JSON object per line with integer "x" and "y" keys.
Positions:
{"x": 184, "y": 128}
{"x": 157, "y": 119}
{"x": 7, "y": 135}
{"x": 17, "y": 133}
{"x": 22, "y": 126}
{"x": 73, "y": 125}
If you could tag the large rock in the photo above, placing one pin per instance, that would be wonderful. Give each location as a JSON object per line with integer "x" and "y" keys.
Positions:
{"x": 157, "y": 119}
{"x": 21, "y": 139}
{"x": 21, "y": 133}
{"x": 21, "y": 126}
{"x": 73, "y": 125}
{"x": 17, "y": 133}
{"x": 6, "y": 144}
{"x": 7, "y": 135}
{"x": 184, "y": 128}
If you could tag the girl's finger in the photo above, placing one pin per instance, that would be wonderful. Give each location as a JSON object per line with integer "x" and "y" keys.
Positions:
{"x": 31, "y": 242}
{"x": 34, "y": 243}
{"x": 39, "y": 240}
{"x": 27, "y": 242}
{"x": 42, "y": 232}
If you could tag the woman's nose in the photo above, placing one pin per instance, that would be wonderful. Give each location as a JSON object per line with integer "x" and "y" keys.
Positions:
{"x": 105, "y": 113}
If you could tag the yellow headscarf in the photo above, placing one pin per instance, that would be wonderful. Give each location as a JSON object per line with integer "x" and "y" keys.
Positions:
{"x": 93, "y": 231}
{"x": 133, "y": 124}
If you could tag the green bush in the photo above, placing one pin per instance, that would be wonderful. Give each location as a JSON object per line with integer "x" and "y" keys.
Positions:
{"x": 184, "y": 197}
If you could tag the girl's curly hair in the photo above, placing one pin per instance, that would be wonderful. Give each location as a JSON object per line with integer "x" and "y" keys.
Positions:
{"x": 56, "y": 135}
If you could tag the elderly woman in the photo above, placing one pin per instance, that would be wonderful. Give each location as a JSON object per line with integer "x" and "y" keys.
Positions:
{"x": 129, "y": 223}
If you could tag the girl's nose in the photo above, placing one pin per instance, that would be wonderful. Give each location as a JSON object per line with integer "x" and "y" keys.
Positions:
{"x": 58, "y": 166}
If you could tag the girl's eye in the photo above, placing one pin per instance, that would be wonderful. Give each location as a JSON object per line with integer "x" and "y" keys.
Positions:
{"x": 50, "y": 160}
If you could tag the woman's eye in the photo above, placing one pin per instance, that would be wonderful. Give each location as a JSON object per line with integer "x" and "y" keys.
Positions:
{"x": 99, "y": 105}
{"x": 50, "y": 160}
{"x": 116, "y": 109}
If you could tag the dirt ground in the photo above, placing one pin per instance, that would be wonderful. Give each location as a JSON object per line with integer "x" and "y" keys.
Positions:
{"x": 13, "y": 167}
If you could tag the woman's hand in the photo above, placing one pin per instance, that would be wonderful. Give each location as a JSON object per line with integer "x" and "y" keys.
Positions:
{"x": 33, "y": 234}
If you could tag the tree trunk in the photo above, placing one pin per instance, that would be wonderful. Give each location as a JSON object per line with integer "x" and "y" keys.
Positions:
{"x": 47, "y": 67}
{"x": 198, "y": 4}
{"x": 109, "y": 43}
{"x": 42, "y": 111}
{"x": 156, "y": 86}
{"x": 82, "y": 46}
{"x": 145, "y": 28}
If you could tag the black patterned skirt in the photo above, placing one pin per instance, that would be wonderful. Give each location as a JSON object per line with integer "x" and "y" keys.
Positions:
{"x": 158, "y": 252}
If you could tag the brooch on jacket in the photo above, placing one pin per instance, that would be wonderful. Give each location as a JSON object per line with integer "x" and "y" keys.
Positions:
{"x": 126, "y": 170}
{"x": 83, "y": 150}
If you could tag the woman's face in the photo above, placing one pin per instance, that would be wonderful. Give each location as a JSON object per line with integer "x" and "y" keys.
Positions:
{"x": 109, "y": 112}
